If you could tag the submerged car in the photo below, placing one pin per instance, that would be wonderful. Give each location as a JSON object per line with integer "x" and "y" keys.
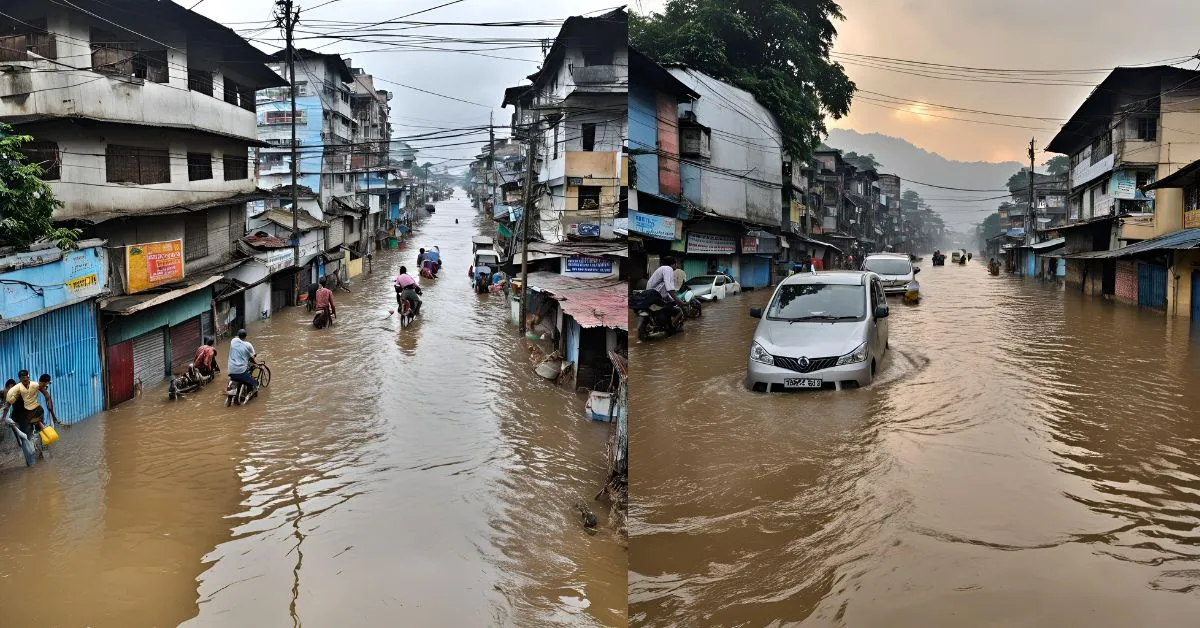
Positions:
{"x": 819, "y": 330}
{"x": 895, "y": 270}
{"x": 713, "y": 287}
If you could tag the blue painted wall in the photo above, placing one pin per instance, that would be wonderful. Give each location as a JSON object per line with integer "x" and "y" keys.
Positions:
{"x": 31, "y": 289}
{"x": 643, "y": 135}
{"x": 173, "y": 312}
{"x": 690, "y": 176}
{"x": 64, "y": 344}
{"x": 309, "y": 135}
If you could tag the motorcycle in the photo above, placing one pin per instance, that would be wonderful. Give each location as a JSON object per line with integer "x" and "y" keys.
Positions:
{"x": 653, "y": 321}
{"x": 237, "y": 393}
{"x": 691, "y": 303}
{"x": 323, "y": 319}
{"x": 190, "y": 381}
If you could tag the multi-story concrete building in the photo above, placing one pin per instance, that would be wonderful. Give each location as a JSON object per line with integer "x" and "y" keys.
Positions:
{"x": 143, "y": 115}
{"x": 575, "y": 110}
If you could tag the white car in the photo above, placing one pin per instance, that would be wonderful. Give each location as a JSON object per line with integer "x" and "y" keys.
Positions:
{"x": 713, "y": 287}
{"x": 820, "y": 330}
{"x": 894, "y": 270}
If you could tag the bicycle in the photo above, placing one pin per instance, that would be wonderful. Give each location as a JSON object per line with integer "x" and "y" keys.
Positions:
{"x": 241, "y": 394}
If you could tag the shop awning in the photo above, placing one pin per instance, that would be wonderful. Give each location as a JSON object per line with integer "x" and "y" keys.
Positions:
{"x": 1048, "y": 244}
{"x": 1180, "y": 240}
{"x": 235, "y": 199}
{"x": 591, "y": 302}
{"x": 134, "y": 303}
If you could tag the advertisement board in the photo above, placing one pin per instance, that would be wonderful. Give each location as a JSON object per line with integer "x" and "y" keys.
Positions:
{"x": 709, "y": 244}
{"x": 660, "y": 227}
{"x": 153, "y": 264}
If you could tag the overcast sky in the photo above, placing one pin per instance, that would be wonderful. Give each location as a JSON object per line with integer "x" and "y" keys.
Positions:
{"x": 470, "y": 77}
{"x": 1033, "y": 34}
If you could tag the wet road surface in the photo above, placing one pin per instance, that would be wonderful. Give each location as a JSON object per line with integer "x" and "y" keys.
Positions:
{"x": 1027, "y": 457}
{"x": 423, "y": 476}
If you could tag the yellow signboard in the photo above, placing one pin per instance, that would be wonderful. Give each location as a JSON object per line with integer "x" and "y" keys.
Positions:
{"x": 82, "y": 283}
{"x": 1191, "y": 219}
{"x": 153, "y": 264}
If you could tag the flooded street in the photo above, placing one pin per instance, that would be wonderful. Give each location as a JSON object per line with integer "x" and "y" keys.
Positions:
{"x": 1027, "y": 457}
{"x": 423, "y": 476}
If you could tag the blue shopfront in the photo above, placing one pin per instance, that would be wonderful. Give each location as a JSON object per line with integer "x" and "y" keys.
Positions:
{"x": 48, "y": 323}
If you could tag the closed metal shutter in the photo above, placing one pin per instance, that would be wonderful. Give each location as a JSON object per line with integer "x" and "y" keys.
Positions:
{"x": 185, "y": 339}
{"x": 63, "y": 344}
{"x": 1152, "y": 286}
{"x": 149, "y": 359}
{"x": 1127, "y": 281}
{"x": 693, "y": 267}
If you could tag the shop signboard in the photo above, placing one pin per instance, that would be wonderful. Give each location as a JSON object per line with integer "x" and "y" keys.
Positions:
{"x": 153, "y": 264}
{"x": 710, "y": 244}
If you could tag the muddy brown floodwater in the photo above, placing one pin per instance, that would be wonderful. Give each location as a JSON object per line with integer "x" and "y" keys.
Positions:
{"x": 387, "y": 477}
{"x": 1027, "y": 457}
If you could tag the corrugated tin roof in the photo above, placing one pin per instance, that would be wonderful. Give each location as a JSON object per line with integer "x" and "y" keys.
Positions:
{"x": 591, "y": 302}
{"x": 1179, "y": 240}
{"x": 1048, "y": 244}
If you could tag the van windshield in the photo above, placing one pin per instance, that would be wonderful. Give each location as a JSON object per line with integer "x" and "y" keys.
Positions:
{"x": 887, "y": 266}
{"x": 818, "y": 302}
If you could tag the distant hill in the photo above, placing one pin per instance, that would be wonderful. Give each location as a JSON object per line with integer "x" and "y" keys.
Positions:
{"x": 910, "y": 162}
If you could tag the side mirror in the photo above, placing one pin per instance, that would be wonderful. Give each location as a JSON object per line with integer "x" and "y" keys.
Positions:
{"x": 916, "y": 270}
{"x": 881, "y": 311}
{"x": 756, "y": 312}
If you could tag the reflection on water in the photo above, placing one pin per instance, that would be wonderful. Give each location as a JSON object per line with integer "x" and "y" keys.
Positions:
{"x": 422, "y": 476}
{"x": 1027, "y": 457}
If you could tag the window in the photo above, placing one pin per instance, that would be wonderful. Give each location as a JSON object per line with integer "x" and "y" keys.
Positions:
{"x": 130, "y": 164}
{"x": 821, "y": 302}
{"x": 20, "y": 41}
{"x": 1144, "y": 178}
{"x": 1147, "y": 129}
{"x": 231, "y": 92}
{"x": 597, "y": 51}
{"x": 236, "y": 167}
{"x": 589, "y": 197}
{"x": 195, "y": 236}
{"x": 200, "y": 81}
{"x": 112, "y": 55}
{"x": 199, "y": 166}
{"x": 44, "y": 154}
{"x": 271, "y": 118}
{"x": 589, "y": 136}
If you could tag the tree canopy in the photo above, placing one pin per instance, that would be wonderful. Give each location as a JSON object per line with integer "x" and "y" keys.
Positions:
{"x": 862, "y": 162}
{"x": 26, "y": 202}
{"x": 778, "y": 50}
{"x": 1057, "y": 165}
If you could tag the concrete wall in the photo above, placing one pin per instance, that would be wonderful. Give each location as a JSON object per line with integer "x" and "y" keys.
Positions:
{"x": 93, "y": 95}
{"x": 224, "y": 228}
{"x": 746, "y": 141}
{"x": 1179, "y": 282}
{"x": 38, "y": 280}
{"x": 258, "y": 297}
{"x": 83, "y": 187}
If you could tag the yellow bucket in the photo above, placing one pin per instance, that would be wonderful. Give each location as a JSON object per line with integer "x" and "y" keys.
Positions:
{"x": 49, "y": 435}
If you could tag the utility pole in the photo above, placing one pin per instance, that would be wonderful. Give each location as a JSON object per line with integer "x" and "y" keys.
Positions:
{"x": 1032, "y": 199}
{"x": 491, "y": 159}
{"x": 534, "y": 139}
{"x": 289, "y": 18}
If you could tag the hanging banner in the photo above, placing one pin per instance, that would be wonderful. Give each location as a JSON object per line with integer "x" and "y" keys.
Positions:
{"x": 153, "y": 264}
{"x": 660, "y": 227}
{"x": 589, "y": 264}
{"x": 708, "y": 244}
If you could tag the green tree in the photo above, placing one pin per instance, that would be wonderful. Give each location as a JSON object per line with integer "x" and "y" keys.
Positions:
{"x": 421, "y": 171}
{"x": 26, "y": 202}
{"x": 778, "y": 50}
{"x": 862, "y": 162}
{"x": 1057, "y": 165}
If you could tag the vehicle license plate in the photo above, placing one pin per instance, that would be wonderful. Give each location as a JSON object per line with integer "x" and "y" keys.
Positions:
{"x": 801, "y": 382}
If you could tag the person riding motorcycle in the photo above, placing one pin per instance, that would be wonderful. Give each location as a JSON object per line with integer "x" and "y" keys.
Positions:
{"x": 206, "y": 358}
{"x": 662, "y": 290}
{"x": 407, "y": 289}
{"x": 325, "y": 302}
{"x": 241, "y": 356}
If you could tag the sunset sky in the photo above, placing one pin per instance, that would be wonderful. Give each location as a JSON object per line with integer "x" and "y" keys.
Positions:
{"x": 1015, "y": 34}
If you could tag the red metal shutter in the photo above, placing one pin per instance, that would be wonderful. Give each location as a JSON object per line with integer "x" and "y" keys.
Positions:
{"x": 120, "y": 373}
{"x": 185, "y": 339}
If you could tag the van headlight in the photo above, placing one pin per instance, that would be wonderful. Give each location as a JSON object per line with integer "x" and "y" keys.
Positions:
{"x": 758, "y": 354}
{"x": 854, "y": 357}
